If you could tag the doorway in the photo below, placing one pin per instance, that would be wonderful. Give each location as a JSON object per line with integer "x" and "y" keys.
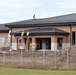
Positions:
{"x": 43, "y": 43}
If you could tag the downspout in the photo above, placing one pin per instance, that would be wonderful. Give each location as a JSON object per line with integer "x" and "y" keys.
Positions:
{"x": 70, "y": 34}
{"x": 11, "y": 37}
{"x": 17, "y": 43}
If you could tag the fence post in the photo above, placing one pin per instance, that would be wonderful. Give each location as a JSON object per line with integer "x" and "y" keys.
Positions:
{"x": 43, "y": 57}
{"x": 21, "y": 56}
{"x": 32, "y": 58}
{"x": 4, "y": 57}
{"x": 12, "y": 57}
{"x": 55, "y": 60}
{"x": 67, "y": 59}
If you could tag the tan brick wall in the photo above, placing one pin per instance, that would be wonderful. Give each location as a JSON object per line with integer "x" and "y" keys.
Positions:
{"x": 14, "y": 39}
{"x": 3, "y": 34}
{"x": 73, "y": 28}
{"x": 53, "y": 38}
{"x": 65, "y": 28}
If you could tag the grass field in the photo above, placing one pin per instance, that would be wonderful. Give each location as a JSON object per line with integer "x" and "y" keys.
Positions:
{"x": 16, "y": 71}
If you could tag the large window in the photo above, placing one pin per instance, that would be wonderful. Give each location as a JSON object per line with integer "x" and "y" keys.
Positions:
{"x": 59, "y": 43}
{"x": 43, "y": 43}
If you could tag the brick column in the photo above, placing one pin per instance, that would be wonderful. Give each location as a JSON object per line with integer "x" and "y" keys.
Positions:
{"x": 33, "y": 43}
{"x": 53, "y": 43}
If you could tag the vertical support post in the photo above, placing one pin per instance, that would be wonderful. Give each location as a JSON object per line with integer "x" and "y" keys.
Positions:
{"x": 28, "y": 40}
{"x": 11, "y": 37}
{"x": 12, "y": 58}
{"x": 4, "y": 57}
{"x": 33, "y": 44}
{"x": 1, "y": 43}
{"x": 27, "y": 44}
{"x": 54, "y": 43}
{"x": 43, "y": 57}
{"x": 67, "y": 59}
{"x": 70, "y": 35}
{"x": 32, "y": 57}
{"x": 17, "y": 43}
{"x": 55, "y": 60}
{"x": 21, "y": 56}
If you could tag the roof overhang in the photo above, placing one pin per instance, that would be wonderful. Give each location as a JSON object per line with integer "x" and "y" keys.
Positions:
{"x": 42, "y": 24}
{"x": 4, "y": 31}
{"x": 41, "y": 31}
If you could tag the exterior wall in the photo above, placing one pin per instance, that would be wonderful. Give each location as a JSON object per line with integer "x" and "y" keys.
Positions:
{"x": 73, "y": 28}
{"x": 14, "y": 46}
{"x": 67, "y": 28}
{"x": 53, "y": 41}
{"x": 2, "y": 39}
{"x": 66, "y": 39}
{"x": 65, "y": 42}
{"x": 14, "y": 42}
{"x": 3, "y": 34}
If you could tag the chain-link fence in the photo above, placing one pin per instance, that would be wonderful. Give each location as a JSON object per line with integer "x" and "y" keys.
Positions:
{"x": 63, "y": 59}
{"x": 10, "y": 54}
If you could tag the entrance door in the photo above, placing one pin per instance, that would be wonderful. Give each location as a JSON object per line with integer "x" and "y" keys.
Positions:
{"x": 43, "y": 43}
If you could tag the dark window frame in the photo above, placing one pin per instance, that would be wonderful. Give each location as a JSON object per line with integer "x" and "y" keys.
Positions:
{"x": 59, "y": 43}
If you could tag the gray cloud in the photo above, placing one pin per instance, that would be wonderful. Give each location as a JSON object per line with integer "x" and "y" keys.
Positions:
{"x": 13, "y": 10}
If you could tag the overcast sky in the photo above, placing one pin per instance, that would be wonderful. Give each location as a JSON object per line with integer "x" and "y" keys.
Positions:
{"x": 16, "y": 10}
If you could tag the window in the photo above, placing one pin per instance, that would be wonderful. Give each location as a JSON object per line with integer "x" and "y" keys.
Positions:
{"x": 73, "y": 37}
{"x": 59, "y": 43}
